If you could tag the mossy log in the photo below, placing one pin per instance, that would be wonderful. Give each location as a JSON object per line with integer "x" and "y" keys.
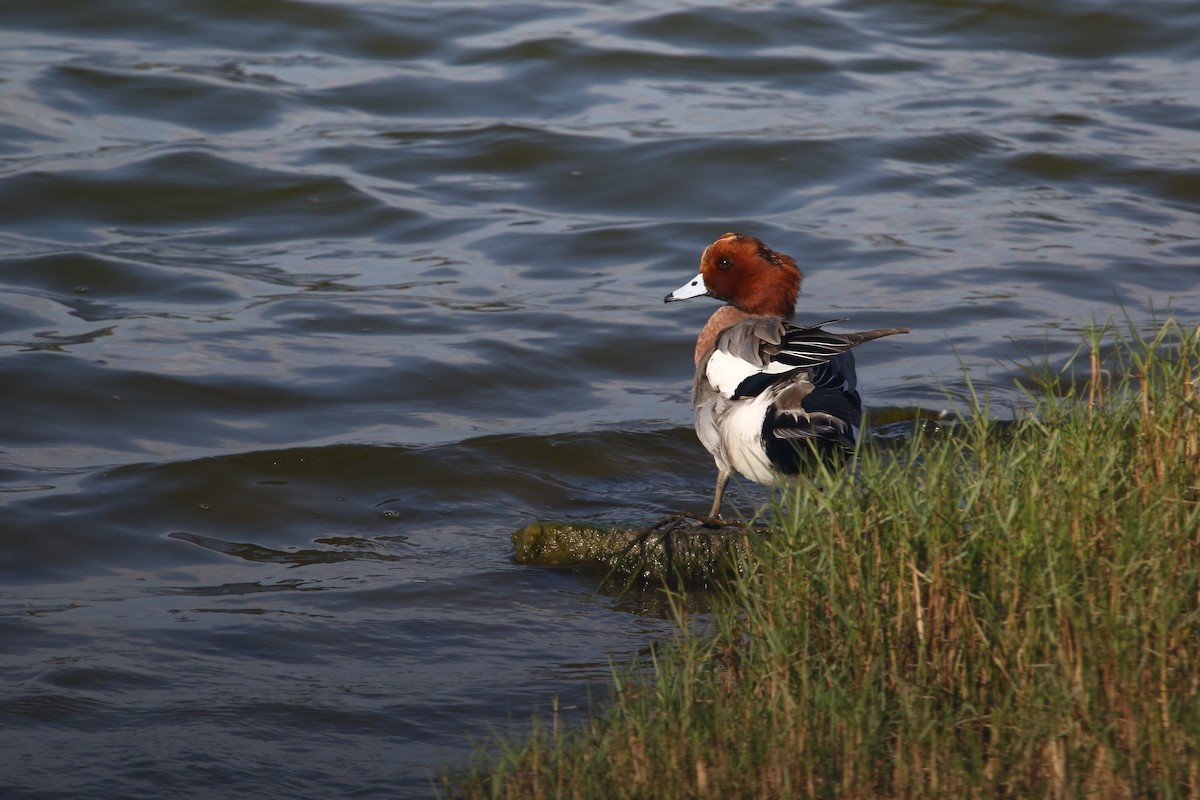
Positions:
{"x": 679, "y": 549}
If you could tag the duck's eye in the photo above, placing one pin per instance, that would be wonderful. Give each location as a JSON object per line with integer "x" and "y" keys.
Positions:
{"x": 724, "y": 263}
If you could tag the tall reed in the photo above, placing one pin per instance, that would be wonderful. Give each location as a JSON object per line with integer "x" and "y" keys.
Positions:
{"x": 1008, "y": 611}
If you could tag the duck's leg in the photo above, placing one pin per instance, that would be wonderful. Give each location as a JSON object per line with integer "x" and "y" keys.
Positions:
{"x": 723, "y": 474}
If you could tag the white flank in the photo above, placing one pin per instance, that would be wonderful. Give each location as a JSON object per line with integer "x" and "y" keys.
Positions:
{"x": 741, "y": 433}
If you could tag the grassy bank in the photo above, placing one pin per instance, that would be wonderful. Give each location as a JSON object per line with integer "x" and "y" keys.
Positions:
{"x": 1002, "y": 612}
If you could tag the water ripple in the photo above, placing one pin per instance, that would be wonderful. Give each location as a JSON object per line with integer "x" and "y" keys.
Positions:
{"x": 307, "y": 306}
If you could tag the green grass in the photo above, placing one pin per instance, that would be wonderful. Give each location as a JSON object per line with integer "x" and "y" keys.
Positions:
{"x": 1009, "y": 611}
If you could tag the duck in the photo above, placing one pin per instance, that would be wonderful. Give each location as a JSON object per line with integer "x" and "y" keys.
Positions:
{"x": 769, "y": 394}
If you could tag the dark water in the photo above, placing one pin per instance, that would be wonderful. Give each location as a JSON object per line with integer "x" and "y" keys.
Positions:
{"x": 305, "y": 306}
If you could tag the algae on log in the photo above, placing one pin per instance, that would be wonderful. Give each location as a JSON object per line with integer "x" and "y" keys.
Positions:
{"x": 676, "y": 549}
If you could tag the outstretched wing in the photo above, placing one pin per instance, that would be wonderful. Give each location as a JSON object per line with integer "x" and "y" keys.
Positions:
{"x": 758, "y": 352}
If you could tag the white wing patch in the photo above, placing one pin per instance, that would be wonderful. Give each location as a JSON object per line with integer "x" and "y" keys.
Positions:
{"x": 726, "y": 372}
